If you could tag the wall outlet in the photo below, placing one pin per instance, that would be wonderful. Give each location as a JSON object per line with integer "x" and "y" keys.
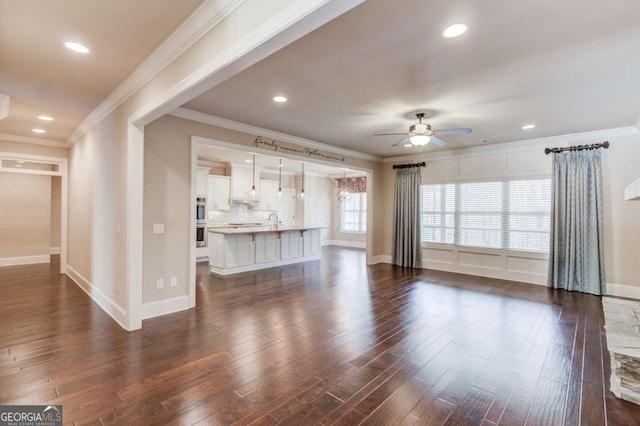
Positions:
{"x": 158, "y": 228}
{"x": 173, "y": 282}
{"x": 159, "y": 283}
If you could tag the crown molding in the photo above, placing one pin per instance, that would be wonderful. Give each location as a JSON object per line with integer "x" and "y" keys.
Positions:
{"x": 4, "y": 106}
{"x": 550, "y": 141}
{"x": 200, "y": 22}
{"x": 259, "y": 131}
{"x": 29, "y": 139}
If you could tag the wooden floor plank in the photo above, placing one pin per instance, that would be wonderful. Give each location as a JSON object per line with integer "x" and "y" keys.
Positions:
{"x": 324, "y": 342}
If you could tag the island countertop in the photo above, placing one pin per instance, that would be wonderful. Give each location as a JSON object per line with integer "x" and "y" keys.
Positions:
{"x": 258, "y": 229}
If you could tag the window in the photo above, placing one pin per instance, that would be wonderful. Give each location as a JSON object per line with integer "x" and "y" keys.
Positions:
{"x": 354, "y": 213}
{"x": 510, "y": 214}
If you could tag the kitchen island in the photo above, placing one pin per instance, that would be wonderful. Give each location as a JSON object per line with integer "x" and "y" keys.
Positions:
{"x": 241, "y": 249}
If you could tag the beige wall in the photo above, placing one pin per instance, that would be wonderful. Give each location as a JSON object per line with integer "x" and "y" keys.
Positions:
{"x": 98, "y": 161}
{"x": 56, "y": 198}
{"x": 52, "y": 195}
{"x": 25, "y": 215}
{"x": 619, "y": 168}
{"x": 32, "y": 149}
{"x": 167, "y": 198}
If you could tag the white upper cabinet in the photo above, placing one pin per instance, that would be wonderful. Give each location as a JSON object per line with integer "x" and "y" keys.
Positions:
{"x": 242, "y": 180}
{"x": 201, "y": 181}
{"x": 219, "y": 191}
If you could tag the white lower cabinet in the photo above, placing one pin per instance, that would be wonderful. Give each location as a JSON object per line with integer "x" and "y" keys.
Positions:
{"x": 290, "y": 245}
{"x": 229, "y": 251}
{"x": 311, "y": 245}
{"x": 266, "y": 247}
{"x": 238, "y": 250}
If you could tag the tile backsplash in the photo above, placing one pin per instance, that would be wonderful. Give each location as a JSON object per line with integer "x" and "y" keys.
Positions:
{"x": 238, "y": 213}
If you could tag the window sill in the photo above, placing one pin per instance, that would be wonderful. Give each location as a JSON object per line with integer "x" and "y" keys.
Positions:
{"x": 353, "y": 232}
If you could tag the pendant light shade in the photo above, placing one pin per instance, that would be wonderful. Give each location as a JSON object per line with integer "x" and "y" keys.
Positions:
{"x": 280, "y": 179}
{"x": 254, "y": 193}
{"x": 300, "y": 195}
{"x": 343, "y": 193}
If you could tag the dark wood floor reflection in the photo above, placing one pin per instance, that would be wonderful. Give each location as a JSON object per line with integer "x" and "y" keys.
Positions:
{"x": 326, "y": 342}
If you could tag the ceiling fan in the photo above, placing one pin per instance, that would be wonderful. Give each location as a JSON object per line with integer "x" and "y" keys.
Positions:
{"x": 421, "y": 133}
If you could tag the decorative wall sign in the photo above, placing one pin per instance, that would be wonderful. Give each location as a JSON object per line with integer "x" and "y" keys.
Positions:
{"x": 278, "y": 146}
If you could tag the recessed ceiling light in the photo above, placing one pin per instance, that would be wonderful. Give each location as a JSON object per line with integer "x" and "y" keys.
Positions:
{"x": 454, "y": 30}
{"x": 76, "y": 47}
{"x": 18, "y": 165}
{"x": 247, "y": 161}
{"x": 528, "y": 126}
{"x": 279, "y": 99}
{"x": 408, "y": 145}
{"x": 45, "y": 118}
{"x": 38, "y": 131}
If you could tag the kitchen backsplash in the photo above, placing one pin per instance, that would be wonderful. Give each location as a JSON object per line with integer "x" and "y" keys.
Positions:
{"x": 238, "y": 214}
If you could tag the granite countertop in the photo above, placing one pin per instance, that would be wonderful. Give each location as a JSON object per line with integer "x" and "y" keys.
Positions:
{"x": 258, "y": 229}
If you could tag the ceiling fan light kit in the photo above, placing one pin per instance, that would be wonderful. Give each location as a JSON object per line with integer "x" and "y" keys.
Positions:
{"x": 420, "y": 134}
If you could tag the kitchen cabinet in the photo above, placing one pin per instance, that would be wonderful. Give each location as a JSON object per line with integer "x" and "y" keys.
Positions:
{"x": 201, "y": 181}
{"x": 290, "y": 246}
{"x": 242, "y": 249}
{"x": 229, "y": 251}
{"x": 266, "y": 247}
{"x": 218, "y": 193}
{"x": 269, "y": 195}
{"x": 311, "y": 242}
{"x": 242, "y": 180}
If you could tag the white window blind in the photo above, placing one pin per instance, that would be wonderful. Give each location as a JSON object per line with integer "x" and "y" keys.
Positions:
{"x": 354, "y": 213}
{"x": 508, "y": 214}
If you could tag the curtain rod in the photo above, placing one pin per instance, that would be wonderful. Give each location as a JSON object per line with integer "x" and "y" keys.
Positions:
{"x": 406, "y": 166}
{"x": 604, "y": 145}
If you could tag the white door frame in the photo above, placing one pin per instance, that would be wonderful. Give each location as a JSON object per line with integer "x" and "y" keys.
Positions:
{"x": 62, "y": 172}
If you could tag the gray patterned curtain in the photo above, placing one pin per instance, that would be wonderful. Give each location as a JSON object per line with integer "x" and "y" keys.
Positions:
{"x": 406, "y": 219}
{"x": 576, "y": 257}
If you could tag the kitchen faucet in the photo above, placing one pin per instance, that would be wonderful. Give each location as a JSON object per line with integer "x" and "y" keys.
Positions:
{"x": 276, "y": 216}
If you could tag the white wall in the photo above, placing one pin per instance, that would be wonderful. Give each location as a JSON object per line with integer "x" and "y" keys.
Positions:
{"x": 315, "y": 210}
{"x": 527, "y": 159}
{"x": 25, "y": 218}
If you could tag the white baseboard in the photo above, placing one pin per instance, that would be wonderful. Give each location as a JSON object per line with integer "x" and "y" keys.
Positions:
{"x": 380, "y": 259}
{"x": 55, "y": 250}
{"x": 258, "y": 266}
{"x": 164, "y": 307}
{"x": 341, "y": 243}
{"x": 24, "y": 260}
{"x": 622, "y": 290}
{"x": 114, "y": 310}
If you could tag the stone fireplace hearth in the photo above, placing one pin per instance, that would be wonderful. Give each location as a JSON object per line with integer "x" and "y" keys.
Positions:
{"x": 622, "y": 324}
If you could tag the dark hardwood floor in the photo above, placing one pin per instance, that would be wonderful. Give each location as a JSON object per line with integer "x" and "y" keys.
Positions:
{"x": 325, "y": 342}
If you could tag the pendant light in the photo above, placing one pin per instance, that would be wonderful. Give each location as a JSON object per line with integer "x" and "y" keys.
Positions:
{"x": 343, "y": 194}
{"x": 253, "y": 186}
{"x": 300, "y": 196}
{"x": 280, "y": 179}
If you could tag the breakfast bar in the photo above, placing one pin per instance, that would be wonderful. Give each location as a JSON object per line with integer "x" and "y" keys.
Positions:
{"x": 249, "y": 248}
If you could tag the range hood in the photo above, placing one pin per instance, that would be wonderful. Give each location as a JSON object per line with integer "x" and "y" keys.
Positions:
{"x": 244, "y": 200}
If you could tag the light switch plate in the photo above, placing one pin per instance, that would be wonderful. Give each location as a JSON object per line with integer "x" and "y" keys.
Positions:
{"x": 173, "y": 282}
{"x": 158, "y": 228}
{"x": 159, "y": 283}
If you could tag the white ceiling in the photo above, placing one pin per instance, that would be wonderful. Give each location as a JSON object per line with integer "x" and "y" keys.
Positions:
{"x": 568, "y": 66}
{"x": 43, "y": 77}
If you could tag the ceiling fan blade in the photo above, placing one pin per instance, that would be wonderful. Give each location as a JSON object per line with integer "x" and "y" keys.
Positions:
{"x": 437, "y": 141}
{"x": 390, "y": 134}
{"x": 452, "y": 131}
{"x": 401, "y": 142}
